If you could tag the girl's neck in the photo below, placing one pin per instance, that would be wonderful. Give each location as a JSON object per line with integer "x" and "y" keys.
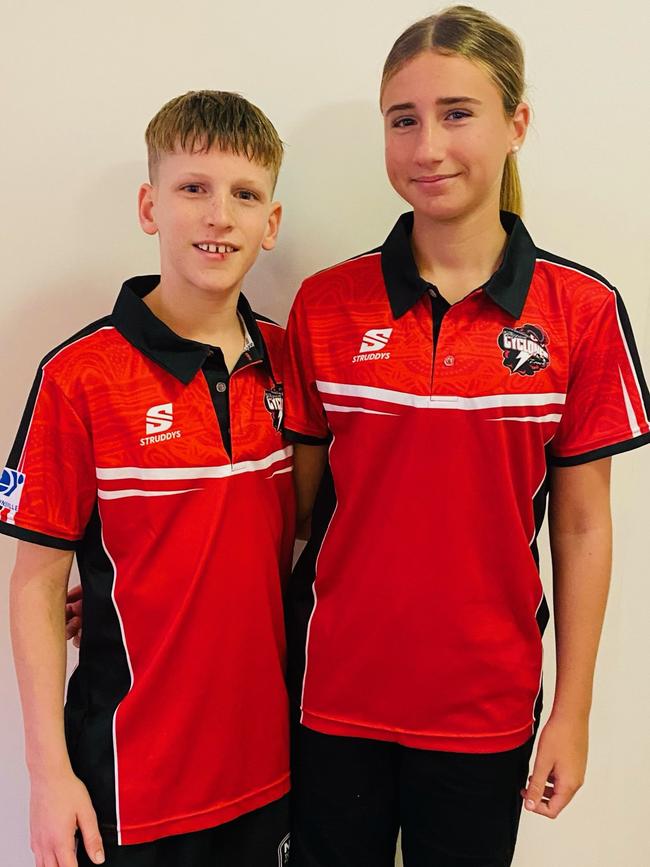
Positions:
{"x": 458, "y": 256}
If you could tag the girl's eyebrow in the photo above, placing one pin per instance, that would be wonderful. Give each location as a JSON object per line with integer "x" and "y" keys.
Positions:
{"x": 443, "y": 100}
{"x": 452, "y": 100}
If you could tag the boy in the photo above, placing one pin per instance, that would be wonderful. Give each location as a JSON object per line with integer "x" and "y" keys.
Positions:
{"x": 150, "y": 447}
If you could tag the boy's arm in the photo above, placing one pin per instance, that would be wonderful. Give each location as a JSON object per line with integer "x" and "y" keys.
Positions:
{"x": 581, "y": 545}
{"x": 59, "y": 801}
{"x": 308, "y": 468}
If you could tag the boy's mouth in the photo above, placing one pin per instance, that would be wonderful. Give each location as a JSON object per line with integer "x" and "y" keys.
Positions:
{"x": 216, "y": 248}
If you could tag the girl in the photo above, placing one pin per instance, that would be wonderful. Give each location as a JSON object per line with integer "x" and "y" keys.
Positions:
{"x": 450, "y": 412}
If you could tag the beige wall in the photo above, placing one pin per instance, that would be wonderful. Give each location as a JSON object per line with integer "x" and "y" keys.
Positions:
{"x": 79, "y": 82}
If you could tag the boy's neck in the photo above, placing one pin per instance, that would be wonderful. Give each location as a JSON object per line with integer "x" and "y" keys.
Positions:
{"x": 458, "y": 256}
{"x": 203, "y": 317}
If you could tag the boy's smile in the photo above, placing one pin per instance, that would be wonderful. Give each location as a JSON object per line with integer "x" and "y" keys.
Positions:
{"x": 213, "y": 212}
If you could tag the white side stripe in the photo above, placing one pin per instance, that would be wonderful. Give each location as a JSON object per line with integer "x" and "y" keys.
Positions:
{"x": 171, "y": 473}
{"x": 436, "y": 401}
{"x": 332, "y": 407}
{"x": 631, "y": 417}
{"x": 135, "y": 492}
{"x": 537, "y": 418}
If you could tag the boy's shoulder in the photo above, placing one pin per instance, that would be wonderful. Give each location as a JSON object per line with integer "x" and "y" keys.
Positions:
{"x": 74, "y": 354}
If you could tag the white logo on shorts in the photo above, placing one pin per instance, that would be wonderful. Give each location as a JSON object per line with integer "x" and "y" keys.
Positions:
{"x": 283, "y": 851}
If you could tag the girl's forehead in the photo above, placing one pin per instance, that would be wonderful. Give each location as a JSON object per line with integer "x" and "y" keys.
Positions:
{"x": 432, "y": 75}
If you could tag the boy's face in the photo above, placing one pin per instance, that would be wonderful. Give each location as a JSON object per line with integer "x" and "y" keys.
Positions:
{"x": 213, "y": 211}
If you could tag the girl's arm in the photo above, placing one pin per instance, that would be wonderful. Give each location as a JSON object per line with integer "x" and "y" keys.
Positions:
{"x": 581, "y": 545}
{"x": 308, "y": 468}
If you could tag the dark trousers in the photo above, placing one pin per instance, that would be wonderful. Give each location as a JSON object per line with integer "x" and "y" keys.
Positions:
{"x": 351, "y": 796}
{"x": 257, "y": 839}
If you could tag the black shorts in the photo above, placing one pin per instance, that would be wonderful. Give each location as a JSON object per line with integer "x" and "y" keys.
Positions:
{"x": 256, "y": 839}
{"x": 351, "y": 797}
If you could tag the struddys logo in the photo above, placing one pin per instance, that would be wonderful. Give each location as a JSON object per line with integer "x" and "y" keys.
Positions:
{"x": 274, "y": 402}
{"x": 525, "y": 349}
{"x": 11, "y": 488}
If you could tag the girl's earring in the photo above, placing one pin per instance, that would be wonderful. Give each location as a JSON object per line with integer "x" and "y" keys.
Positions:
{"x": 514, "y": 149}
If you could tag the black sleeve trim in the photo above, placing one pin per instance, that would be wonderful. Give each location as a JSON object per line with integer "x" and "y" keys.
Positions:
{"x": 37, "y": 538}
{"x": 305, "y": 440}
{"x": 597, "y": 454}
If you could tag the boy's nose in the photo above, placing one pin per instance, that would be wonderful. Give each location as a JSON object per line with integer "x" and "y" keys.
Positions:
{"x": 219, "y": 212}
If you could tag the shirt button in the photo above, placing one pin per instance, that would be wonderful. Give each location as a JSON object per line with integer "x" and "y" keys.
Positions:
{"x": 221, "y": 387}
{"x": 449, "y": 361}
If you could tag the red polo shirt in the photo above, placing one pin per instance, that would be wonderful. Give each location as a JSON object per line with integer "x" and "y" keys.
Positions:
{"x": 417, "y": 605}
{"x": 171, "y": 481}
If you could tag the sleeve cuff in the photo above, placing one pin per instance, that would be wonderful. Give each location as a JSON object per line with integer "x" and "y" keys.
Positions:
{"x": 305, "y": 440}
{"x": 597, "y": 454}
{"x": 37, "y": 538}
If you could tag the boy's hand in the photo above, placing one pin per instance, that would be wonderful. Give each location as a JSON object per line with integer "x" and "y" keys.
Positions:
{"x": 57, "y": 809}
{"x": 73, "y": 614}
{"x": 559, "y": 769}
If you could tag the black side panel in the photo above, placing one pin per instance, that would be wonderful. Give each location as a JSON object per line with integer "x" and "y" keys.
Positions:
{"x": 100, "y": 682}
{"x": 300, "y": 594}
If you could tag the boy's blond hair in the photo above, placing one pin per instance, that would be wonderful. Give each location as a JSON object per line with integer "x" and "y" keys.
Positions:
{"x": 201, "y": 119}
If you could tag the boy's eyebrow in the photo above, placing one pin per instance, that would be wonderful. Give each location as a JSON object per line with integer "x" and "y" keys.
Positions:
{"x": 443, "y": 100}
{"x": 202, "y": 176}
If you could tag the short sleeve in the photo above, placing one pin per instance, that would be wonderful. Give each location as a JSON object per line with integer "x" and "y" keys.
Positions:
{"x": 48, "y": 487}
{"x": 304, "y": 416}
{"x": 607, "y": 403}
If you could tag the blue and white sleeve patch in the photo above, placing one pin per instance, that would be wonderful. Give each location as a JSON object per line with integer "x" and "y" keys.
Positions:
{"x": 11, "y": 489}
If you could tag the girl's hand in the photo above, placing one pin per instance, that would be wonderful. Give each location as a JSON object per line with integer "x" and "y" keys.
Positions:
{"x": 560, "y": 765}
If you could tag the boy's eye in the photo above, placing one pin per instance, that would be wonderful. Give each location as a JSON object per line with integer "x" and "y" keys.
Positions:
{"x": 191, "y": 188}
{"x": 247, "y": 195}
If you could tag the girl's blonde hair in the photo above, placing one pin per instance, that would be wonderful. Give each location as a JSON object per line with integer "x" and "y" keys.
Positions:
{"x": 480, "y": 38}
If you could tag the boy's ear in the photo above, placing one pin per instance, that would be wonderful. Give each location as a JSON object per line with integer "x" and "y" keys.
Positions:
{"x": 272, "y": 227}
{"x": 145, "y": 209}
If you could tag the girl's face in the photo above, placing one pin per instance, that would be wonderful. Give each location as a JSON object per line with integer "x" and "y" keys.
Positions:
{"x": 447, "y": 135}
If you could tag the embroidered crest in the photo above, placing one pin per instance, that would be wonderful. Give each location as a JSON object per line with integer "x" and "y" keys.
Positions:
{"x": 525, "y": 349}
{"x": 274, "y": 402}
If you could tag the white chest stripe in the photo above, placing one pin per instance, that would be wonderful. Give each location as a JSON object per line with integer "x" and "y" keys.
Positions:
{"x": 175, "y": 473}
{"x": 435, "y": 401}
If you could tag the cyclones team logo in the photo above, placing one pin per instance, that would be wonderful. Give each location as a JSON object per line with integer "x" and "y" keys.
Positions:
{"x": 274, "y": 402}
{"x": 525, "y": 349}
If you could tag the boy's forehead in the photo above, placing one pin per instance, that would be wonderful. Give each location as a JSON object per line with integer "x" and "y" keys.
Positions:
{"x": 214, "y": 160}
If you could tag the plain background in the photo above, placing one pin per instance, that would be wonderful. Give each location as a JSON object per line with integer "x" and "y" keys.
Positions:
{"x": 80, "y": 80}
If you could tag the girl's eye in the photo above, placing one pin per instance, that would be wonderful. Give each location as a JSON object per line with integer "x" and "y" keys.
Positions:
{"x": 402, "y": 122}
{"x": 458, "y": 114}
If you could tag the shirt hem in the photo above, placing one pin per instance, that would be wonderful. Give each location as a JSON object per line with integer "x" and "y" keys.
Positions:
{"x": 218, "y": 815}
{"x": 450, "y": 743}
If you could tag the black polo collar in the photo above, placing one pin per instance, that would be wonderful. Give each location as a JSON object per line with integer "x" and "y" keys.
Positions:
{"x": 181, "y": 357}
{"x": 508, "y": 286}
